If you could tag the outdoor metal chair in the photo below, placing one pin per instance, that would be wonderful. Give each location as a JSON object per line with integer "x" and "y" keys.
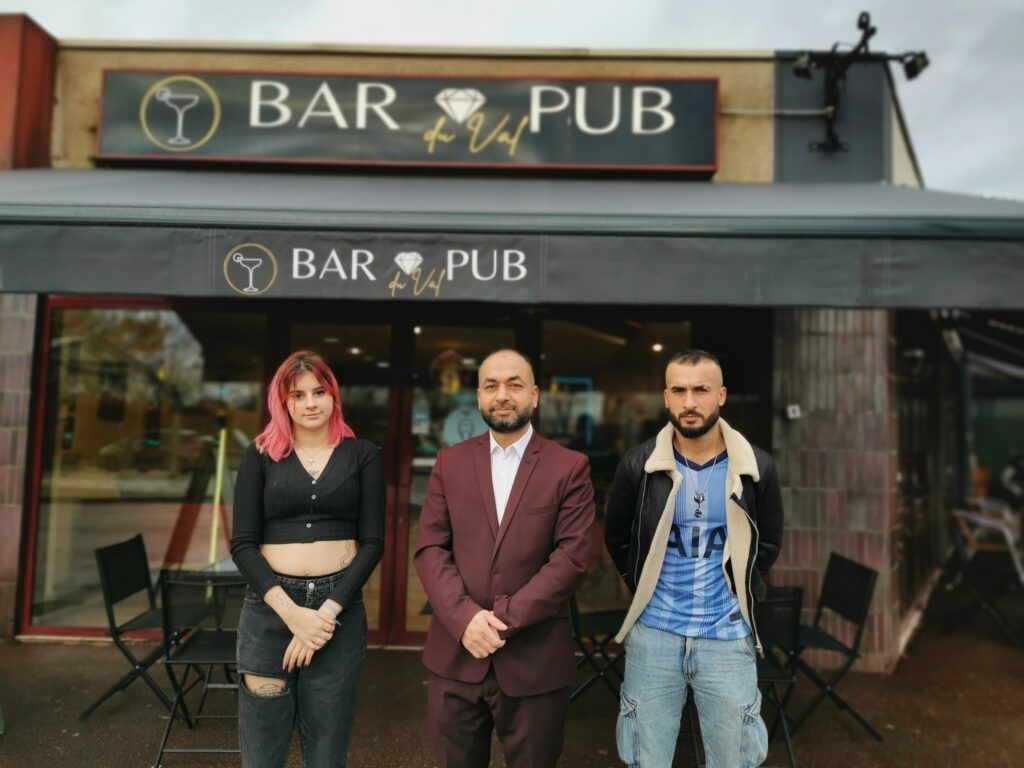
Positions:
{"x": 846, "y": 591}
{"x": 593, "y": 633}
{"x": 124, "y": 573}
{"x": 981, "y": 571}
{"x": 202, "y": 608}
{"x": 778, "y": 618}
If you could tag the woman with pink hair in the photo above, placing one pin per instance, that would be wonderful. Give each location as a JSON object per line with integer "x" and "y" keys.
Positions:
{"x": 308, "y": 532}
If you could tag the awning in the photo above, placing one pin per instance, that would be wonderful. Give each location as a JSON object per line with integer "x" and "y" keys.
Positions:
{"x": 523, "y": 240}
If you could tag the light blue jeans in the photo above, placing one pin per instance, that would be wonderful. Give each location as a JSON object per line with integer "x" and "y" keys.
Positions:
{"x": 723, "y": 674}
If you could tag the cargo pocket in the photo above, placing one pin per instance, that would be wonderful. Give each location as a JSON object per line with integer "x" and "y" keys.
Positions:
{"x": 627, "y": 735}
{"x": 755, "y": 734}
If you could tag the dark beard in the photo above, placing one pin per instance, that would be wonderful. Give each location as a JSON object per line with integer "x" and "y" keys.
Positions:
{"x": 692, "y": 433}
{"x": 511, "y": 424}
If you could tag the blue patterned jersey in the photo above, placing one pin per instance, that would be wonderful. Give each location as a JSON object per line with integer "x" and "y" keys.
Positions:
{"x": 692, "y": 597}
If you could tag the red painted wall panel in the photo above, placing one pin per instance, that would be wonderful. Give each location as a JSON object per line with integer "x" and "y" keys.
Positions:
{"x": 27, "y": 62}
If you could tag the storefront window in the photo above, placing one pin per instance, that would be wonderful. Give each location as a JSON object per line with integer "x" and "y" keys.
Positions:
{"x": 147, "y": 414}
{"x": 601, "y": 394}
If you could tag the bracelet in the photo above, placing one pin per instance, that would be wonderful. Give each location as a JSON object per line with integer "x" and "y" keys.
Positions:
{"x": 331, "y": 609}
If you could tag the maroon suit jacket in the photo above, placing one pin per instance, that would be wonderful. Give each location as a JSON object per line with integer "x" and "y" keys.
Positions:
{"x": 525, "y": 570}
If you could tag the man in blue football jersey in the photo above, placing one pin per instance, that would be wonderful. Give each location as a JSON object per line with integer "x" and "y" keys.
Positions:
{"x": 694, "y": 520}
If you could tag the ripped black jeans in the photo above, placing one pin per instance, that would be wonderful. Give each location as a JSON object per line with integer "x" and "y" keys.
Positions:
{"x": 321, "y": 698}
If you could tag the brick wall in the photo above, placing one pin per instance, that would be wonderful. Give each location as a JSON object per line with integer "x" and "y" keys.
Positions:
{"x": 17, "y": 332}
{"x": 838, "y": 462}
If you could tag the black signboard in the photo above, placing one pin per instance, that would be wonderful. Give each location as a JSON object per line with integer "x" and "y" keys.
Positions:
{"x": 523, "y": 269}
{"x": 649, "y": 124}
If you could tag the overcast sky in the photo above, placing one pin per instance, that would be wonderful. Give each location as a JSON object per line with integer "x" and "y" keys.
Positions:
{"x": 965, "y": 113}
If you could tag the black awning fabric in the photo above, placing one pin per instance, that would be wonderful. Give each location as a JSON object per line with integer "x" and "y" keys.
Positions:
{"x": 523, "y": 240}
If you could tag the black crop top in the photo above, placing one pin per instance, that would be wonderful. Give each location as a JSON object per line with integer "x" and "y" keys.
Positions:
{"x": 279, "y": 502}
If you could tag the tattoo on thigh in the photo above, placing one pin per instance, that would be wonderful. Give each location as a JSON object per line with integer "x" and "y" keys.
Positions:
{"x": 264, "y": 686}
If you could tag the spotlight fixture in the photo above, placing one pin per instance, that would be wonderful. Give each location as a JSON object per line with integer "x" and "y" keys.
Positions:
{"x": 914, "y": 64}
{"x": 802, "y": 65}
{"x": 835, "y": 63}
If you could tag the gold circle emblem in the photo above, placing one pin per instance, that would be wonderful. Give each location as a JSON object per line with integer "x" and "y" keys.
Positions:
{"x": 252, "y": 264}
{"x": 180, "y": 103}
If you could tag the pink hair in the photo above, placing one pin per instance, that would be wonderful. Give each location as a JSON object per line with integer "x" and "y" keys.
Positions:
{"x": 278, "y": 438}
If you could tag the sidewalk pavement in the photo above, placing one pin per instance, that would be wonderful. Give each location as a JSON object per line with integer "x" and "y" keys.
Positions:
{"x": 956, "y": 699}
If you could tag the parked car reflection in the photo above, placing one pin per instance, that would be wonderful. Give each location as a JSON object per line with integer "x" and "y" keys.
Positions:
{"x": 181, "y": 450}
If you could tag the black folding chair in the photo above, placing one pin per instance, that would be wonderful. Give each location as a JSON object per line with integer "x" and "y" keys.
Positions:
{"x": 778, "y": 619}
{"x": 202, "y": 608}
{"x": 593, "y": 633}
{"x": 124, "y": 573}
{"x": 846, "y": 591}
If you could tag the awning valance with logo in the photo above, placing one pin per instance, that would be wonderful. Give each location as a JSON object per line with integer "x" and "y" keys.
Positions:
{"x": 522, "y": 240}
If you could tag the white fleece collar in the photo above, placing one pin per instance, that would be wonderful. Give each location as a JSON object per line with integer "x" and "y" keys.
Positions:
{"x": 741, "y": 455}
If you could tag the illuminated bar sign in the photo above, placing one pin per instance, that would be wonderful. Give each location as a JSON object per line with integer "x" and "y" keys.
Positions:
{"x": 652, "y": 124}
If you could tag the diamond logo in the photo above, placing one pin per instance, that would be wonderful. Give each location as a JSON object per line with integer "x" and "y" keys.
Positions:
{"x": 408, "y": 262}
{"x": 460, "y": 104}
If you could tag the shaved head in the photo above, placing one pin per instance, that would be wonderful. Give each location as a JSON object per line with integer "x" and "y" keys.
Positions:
{"x": 506, "y": 360}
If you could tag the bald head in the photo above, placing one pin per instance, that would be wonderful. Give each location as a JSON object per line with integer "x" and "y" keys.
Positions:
{"x": 505, "y": 364}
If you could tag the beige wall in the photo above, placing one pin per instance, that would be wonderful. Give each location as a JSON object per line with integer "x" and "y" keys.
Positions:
{"x": 746, "y": 143}
{"x": 904, "y": 170}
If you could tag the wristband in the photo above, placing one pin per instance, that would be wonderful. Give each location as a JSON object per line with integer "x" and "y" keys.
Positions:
{"x": 331, "y": 609}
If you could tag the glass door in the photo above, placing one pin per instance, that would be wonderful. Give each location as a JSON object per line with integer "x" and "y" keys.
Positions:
{"x": 440, "y": 410}
{"x": 360, "y": 356}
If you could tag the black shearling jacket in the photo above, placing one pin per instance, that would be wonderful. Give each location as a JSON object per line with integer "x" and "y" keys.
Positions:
{"x": 641, "y": 504}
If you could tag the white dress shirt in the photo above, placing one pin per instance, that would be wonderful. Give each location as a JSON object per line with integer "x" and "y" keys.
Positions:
{"x": 504, "y": 465}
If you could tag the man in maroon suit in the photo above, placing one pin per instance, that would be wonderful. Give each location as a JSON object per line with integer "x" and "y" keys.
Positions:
{"x": 504, "y": 540}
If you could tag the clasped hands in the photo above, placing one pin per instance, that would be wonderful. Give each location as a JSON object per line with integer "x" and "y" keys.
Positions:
{"x": 310, "y": 632}
{"x": 480, "y": 637}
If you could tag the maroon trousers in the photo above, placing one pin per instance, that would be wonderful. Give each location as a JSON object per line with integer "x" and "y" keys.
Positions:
{"x": 461, "y": 717}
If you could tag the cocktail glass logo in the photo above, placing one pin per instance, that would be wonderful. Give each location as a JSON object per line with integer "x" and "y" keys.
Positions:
{"x": 180, "y": 113}
{"x": 250, "y": 268}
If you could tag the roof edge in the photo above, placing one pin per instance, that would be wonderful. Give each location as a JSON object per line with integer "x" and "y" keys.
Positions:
{"x": 914, "y": 227}
{"x": 410, "y": 50}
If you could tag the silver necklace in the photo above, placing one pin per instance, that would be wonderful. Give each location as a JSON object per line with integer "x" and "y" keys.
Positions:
{"x": 699, "y": 496}
{"x": 311, "y": 460}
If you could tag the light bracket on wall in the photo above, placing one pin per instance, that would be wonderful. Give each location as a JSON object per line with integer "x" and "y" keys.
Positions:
{"x": 835, "y": 63}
